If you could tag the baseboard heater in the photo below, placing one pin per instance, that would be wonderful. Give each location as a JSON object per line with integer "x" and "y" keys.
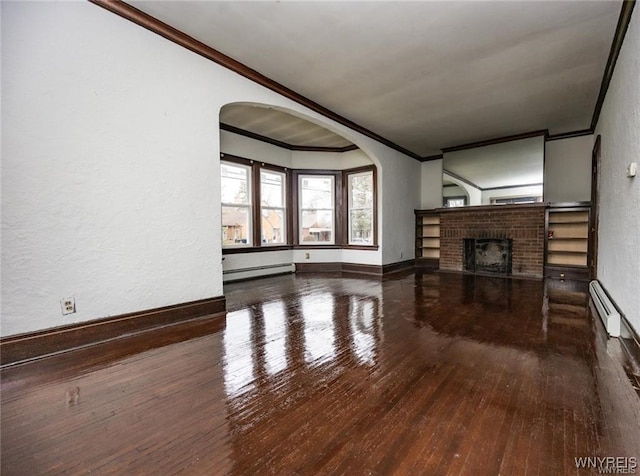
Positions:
{"x": 607, "y": 311}
{"x": 261, "y": 270}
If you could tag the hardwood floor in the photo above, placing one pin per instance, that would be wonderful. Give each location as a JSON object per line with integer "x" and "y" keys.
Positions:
{"x": 322, "y": 374}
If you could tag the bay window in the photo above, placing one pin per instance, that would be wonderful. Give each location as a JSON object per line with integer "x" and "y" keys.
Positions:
{"x": 267, "y": 207}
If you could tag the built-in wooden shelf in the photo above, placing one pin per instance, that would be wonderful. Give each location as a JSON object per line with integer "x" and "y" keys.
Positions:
{"x": 567, "y": 243}
{"x": 427, "y": 239}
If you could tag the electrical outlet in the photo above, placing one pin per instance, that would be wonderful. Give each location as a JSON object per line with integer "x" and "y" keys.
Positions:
{"x": 68, "y": 306}
{"x": 306, "y": 256}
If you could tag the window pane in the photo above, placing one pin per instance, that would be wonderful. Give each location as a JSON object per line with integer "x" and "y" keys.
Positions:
{"x": 235, "y": 226}
{"x": 235, "y": 184}
{"x": 316, "y": 192}
{"x": 273, "y": 226}
{"x": 361, "y": 190}
{"x": 361, "y": 229}
{"x": 272, "y": 189}
{"x": 317, "y": 226}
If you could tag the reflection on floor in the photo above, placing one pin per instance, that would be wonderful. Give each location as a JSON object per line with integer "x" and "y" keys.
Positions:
{"x": 321, "y": 374}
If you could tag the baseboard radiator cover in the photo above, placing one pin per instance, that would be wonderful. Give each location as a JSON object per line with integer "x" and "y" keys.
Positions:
{"x": 606, "y": 309}
{"x": 257, "y": 271}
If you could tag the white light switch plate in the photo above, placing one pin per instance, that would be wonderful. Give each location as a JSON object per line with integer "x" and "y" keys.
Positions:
{"x": 632, "y": 169}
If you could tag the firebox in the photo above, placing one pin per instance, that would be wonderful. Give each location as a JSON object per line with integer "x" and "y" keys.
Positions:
{"x": 487, "y": 255}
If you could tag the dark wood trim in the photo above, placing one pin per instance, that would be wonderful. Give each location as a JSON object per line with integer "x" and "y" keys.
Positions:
{"x": 427, "y": 263}
{"x": 450, "y": 185}
{"x": 390, "y": 268}
{"x": 356, "y": 268}
{"x": 614, "y": 52}
{"x": 567, "y": 272}
{"x": 497, "y": 140}
{"x": 176, "y": 36}
{"x": 429, "y": 158}
{"x": 462, "y": 179}
{"x": 595, "y": 207}
{"x": 34, "y": 345}
{"x": 318, "y": 267}
{"x": 253, "y": 135}
{"x": 345, "y": 197}
{"x": 285, "y": 145}
{"x": 338, "y": 213}
{"x": 256, "y": 166}
{"x": 519, "y": 206}
{"x": 569, "y": 135}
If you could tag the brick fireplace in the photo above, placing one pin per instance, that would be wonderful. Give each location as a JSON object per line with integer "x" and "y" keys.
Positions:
{"x": 522, "y": 224}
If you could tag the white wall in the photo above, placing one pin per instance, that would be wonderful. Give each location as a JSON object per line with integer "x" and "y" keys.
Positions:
{"x": 567, "y": 170}
{"x": 248, "y": 148}
{"x": 619, "y": 227}
{"x": 431, "y": 184}
{"x": 329, "y": 160}
{"x": 110, "y": 167}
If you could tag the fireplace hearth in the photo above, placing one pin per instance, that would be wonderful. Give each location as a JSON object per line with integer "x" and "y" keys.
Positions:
{"x": 488, "y": 256}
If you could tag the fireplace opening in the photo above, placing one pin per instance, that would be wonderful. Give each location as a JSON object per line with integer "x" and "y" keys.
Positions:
{"x": 487, "y": 255}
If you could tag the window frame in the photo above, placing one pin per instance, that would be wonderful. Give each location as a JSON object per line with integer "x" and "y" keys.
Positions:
{"x": 292, "y": 208}
{"x": 286, "y": 207}
{"x": 249, "y": 206}
{"x": 256, "y": 167}
{"x": 337, "y": 207}
{"x": 374, "y": 207}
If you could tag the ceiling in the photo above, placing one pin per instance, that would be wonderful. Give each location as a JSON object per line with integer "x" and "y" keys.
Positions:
{"x": 424, "y": 75}
{"x": 280, "y": 126}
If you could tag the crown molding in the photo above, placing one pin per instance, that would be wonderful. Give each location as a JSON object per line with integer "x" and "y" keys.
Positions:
{"x": 569, "y": 135}
{"x": 172, "y": 34}
{"x": 497, "y": 140}
{"x": 284, "y": 145}
{"x": 614, "y": 52}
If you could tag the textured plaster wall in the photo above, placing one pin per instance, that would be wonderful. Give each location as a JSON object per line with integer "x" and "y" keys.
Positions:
{"x": 110, "y": 167}
{"x": 619, "y": 227}
{"x": 567, "y": 169}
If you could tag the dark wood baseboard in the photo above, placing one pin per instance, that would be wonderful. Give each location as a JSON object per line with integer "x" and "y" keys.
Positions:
{"x": 355, "y": 268}
{"x": 318, "y": 267}
{"x": 399, "y": 266}
{"x": 565, "y": 272}
{"x": 427, "y": 263}
{"x": 33, "y": 345}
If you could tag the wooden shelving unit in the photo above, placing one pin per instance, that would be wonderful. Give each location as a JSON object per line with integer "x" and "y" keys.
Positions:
{"x": 567, "y": 243}
{"x": 427, "y": 239}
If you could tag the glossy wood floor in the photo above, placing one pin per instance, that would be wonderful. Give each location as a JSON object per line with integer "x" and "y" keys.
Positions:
{"x": 427, "y": 374}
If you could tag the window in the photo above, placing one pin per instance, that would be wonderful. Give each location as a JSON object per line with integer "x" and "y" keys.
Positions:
{"x": 451, "y": 202}
{"x": 316, "y": 220}
{"x": 266, "y": 207}
{"x": 360, "y": 202}
{"x": 236, "y": 204}
{"x": 273, "y": 211}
